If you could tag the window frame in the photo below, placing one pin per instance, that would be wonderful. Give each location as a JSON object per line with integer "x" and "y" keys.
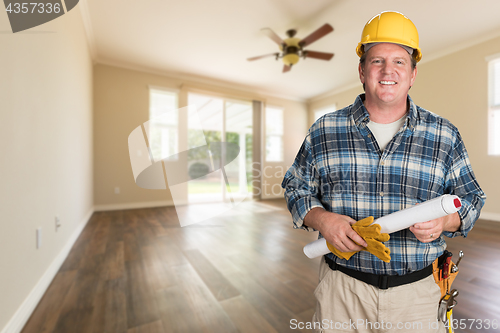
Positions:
{"x": 493, "y": 109}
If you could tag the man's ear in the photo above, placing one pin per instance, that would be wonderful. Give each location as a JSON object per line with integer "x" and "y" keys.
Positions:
{"x": 361, "y": 74}
{"x": 413, "y": 76}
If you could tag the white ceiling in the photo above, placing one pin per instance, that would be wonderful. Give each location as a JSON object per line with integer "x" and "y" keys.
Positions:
{"x": 200, "y": 39}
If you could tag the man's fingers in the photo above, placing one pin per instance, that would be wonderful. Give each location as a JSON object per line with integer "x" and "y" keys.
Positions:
{"x": 352, "y": 247}
{"x": 356, "y": 238}
{"x": 417, "y": 233}
{"x": 426, "y": 235}
{"x": 347, "y": 244}
{"x": 425, "y": 225}
{"x": 340, "y": 246}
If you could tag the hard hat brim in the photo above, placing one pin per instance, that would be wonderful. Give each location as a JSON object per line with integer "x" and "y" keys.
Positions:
{"x": 417, "y": 54}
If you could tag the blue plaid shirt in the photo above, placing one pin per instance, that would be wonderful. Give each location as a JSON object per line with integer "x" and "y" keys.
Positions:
{"x": 341, "y": 168}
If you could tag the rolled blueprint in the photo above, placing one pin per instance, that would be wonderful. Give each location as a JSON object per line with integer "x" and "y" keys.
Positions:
{"x": 423, "y": 212}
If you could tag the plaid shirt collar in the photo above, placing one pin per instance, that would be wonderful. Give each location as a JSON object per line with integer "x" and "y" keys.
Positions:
{"x": 360, "y": 114}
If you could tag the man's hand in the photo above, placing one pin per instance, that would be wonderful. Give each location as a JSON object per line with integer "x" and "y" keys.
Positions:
{"x": 428, "y": 231}
{"x": 372, "y": 236}
{"x": 336, "y": 229}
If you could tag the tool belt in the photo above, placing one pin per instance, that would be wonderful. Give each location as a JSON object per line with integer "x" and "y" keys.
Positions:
{"x": 382, "y": 281}
{"x": 444, "y": 274}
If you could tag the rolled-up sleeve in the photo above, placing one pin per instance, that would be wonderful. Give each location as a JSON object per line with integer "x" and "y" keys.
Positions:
{"x": 301, "y": 184}
{"x": 462, "y": 182}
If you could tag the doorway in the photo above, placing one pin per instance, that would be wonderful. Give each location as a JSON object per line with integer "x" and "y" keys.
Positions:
{"x": 215, "y": 178}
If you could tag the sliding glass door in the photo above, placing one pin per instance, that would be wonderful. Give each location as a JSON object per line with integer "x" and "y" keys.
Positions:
{"x": 238, "y": 128}
{"x": 215, "y": 176}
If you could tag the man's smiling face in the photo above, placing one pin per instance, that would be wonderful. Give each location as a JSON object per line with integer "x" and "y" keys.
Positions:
{"x": 387, "y": 75}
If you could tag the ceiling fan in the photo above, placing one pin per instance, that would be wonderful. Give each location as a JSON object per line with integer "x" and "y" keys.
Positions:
{"x": 293, "y": 48}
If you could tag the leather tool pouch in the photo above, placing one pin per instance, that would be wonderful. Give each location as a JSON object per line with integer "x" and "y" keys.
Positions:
{"x": 444, "y": 284}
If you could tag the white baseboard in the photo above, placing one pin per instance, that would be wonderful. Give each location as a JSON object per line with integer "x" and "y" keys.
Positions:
{"x": 133, "y": 205}
{"x": 490, "y": 216}
{"x": 23, "y": 313}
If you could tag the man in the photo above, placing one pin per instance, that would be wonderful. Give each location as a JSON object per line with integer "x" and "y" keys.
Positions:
{"x": 377, "y": 156}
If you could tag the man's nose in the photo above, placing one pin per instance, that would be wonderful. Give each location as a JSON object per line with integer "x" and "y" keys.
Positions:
{"x": 388, "y": 68}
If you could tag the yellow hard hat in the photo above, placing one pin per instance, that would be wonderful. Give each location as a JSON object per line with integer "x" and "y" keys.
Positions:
{"x": 390, "y": 27}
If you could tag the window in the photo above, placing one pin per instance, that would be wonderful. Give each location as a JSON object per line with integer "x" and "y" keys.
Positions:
{"x": 163, "y": 126}
{"x": 494, "y": 107}
{"x": 274, "y": 134}
{"x": 321, "y": 112}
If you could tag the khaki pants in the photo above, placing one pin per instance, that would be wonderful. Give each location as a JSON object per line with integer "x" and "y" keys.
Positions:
{"x": 345, "y": 304}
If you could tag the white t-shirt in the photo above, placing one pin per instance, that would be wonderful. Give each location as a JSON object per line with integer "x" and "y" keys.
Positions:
{"x": 385, "y": 132}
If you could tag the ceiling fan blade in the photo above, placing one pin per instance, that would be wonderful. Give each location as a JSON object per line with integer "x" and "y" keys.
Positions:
{"x": 286, "y": 68}
{"x": 325, "y": 29}
{"x": 271, "y": 34}
{"x": 263, "y": 56}
{"x": 318, "y": 55}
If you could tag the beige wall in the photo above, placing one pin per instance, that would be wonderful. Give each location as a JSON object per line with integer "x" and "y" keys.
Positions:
{"x": 121, "y": 103}
{"x": 456, "y": 87}
{"x": 46, "y": 145}
{"x": 341, "y": 100}
{"x": 295, "y": 129}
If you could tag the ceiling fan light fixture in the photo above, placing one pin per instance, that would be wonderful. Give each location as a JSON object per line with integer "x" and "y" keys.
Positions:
{"x": 292, "y": 48}
{"x": 290, "y": 59}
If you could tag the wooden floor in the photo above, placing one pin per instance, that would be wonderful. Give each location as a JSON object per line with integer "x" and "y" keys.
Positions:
{"x": 478, "y": 281}
{"x": 138, "y": 271}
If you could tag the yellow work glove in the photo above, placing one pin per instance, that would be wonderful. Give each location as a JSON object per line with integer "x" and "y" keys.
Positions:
{"x": 372, "y": 236}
